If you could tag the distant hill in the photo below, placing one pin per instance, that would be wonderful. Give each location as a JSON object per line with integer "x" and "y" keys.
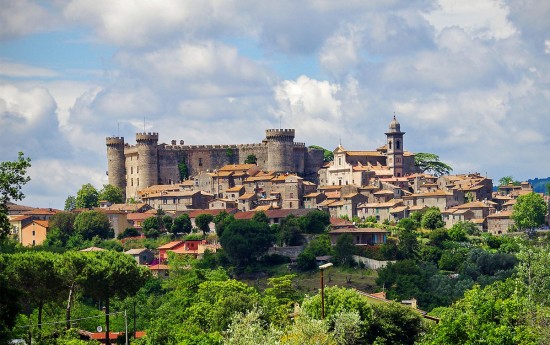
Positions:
{"x": 539, "y": 184}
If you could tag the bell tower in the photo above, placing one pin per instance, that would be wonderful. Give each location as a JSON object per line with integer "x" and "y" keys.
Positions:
{"x": 395, "y": 148}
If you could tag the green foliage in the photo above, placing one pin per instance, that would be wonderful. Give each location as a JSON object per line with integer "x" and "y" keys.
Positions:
{"x": 320, "y": 245}
{"x": 408, "y": 224}
{"x": 432, "y": 219}
{"x": 328, "y": 156}
{"x": 315, "y": 222}
{"x": 221, "y": 221}
{"x": 87, "y": 197}
{"x": 344, "y": 250}
{"x": 151, "y": 227}
{"x": 458, "y": 233}
{"x": 181, "y": 224}
{"x": 203, "y": 222}
{"x": 306, "y": 261}
{"x": 529, "y": 211}
{"x": 407, "y": 245}
{"x": 290, "y": 232}
{"x": 183, "y": 170}
{"x": 128, "y": 232}
{"x": 438, "y": 237}
{"x": 9, "y": 301}
{"x": 89, "y": 224}
{"x": 62, "y": 228}
{"x": 250, "y": 159}
{"x": 12, "y": 179}
{"x": 246, "y": 240}
{"x": 497, "y": 314}
{"x": 112, "y": 194}
{"x": 70, "y": 203}
{"x": 430, "y": 163}
{"x": 508, "y": 180}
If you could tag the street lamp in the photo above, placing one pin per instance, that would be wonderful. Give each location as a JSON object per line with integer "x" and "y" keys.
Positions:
{"x": 322, "y": 268}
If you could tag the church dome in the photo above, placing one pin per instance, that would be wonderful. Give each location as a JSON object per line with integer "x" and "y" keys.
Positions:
{"x": 394, "y": 125}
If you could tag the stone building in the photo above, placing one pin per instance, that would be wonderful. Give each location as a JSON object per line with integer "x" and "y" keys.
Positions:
{"x": 359, "y": 168}
{"x": 135, "y": 167}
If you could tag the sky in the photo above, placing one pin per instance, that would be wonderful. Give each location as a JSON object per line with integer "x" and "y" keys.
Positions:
{"x": 467, "y": 80}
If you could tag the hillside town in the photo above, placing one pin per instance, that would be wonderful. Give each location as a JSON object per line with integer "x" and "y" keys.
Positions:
{"x": 382, "y": 185}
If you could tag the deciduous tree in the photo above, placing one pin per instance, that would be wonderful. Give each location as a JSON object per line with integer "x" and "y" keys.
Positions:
{"x": 13, "y": 176}
{"x": 112, "y": 194}
{"x": 203, "y": 222}
{"x": 529, "y": 211}
{"x": 87, "y": 197}
{"x": 245, "y": 240}
{"x": 89, "y": 224}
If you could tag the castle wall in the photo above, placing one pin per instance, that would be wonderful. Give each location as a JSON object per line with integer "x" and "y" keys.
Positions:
{"x": 209, "y": 157}
{"x": 148, "y": 166}
{"x": 168, "y": 164}
{"x": 258, "y": 150}
{"x": 313, "y": 161}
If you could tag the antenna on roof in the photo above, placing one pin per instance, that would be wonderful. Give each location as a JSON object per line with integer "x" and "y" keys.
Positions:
{"x": 144, "y": 124}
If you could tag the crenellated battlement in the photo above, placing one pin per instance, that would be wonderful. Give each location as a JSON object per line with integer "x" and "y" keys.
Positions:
{"x": 147, "y": 138}
{"x": 115, "y": 141}
{"x": 280, "y": 133}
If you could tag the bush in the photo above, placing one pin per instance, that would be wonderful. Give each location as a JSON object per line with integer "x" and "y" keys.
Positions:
{"x": 275, "y": 259}
{"x": 306, "y": 261}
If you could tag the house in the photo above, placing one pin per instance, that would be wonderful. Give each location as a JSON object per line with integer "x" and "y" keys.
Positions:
{"x": 41, "y": 213}
{"x": 34, "y": 233}
{"x": 174, "y": 201}
{"x": 311, "y": 200}
{"x": 143, "y": 256}
{"x": 136, "y": 219}
{"x": 17, "y": 223}
{"x": 160, "y": 270}
{"x": 500, "y": 223}
{"x": 163, "y": 250}
{"x": 128, "y": 208}
{"x": 439, "y": 198}
{"x": 223, "y": 204}
{"x": 274, "y": 216}
{"x": 361, "y": 236}
{"x": 382, "y": 210}
{"x": 117, "y": 219}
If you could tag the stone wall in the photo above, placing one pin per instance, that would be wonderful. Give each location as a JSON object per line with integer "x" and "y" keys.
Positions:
{"x": 371, "y": 263}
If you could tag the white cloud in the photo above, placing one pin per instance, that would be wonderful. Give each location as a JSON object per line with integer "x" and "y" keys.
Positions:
{"x": 15, "y": 69}
{"x": 485, "y": 19}
{"x": 23, "y": 17}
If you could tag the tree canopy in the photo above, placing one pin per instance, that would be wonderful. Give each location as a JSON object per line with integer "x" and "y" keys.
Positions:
{"x": 328, "y": 156}
{"x": 89, "y": 224}
{"x": 87, "y": 197}
{"x": 529, "y": 211}
{"x": 13, "y": 176}
{"x": 112, "y": 194}
{"x": 246, "y": 240}
{"x": 430, "y": 163}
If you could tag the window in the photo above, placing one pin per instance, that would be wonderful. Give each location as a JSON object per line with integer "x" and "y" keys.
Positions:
{"x": 291, "y": 195}
{"x": 132, "y": 182}
{"x": 200, "y": 162}
{"x": 397, "y": 145}
{"x": 138, "y": 181}
{"x": 33, "y": 233}
{"x": 389, "y": 145}
{"x": 339, "y": 160}
{"x": 131, "y": 170}
{"x": 290, "y": 204}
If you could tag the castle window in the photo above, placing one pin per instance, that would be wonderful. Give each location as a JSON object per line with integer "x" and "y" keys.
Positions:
{"x": 389, "y": 145}
{"x": 200, "y": 162}
{"x": 131, "y": 170}
{"x": 397, "y": 145}
{"x": 138, "y": 181}
{"x": 132, "y": 182}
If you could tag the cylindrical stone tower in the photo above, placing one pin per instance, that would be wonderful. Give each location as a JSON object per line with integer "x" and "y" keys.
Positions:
{"x": 147, "y": 160}
{"x": 116, "y": 168}
{"x": 280, "y": 149}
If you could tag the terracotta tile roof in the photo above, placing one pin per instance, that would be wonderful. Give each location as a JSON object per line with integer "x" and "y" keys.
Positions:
{"x": 383, "y": 192}
{"x": 92, "y": 249}
{"x": 171, "y": 245}
{"x": 158, "y": 267}
{"x": 42, "y": 211}
{"x": 247, "y": 196}
{"x": 18, "y": 218}
{"x": 259, "y": 178}
{"x": 312, "y": 195}
{"x": 336, "y": 204}
{"x": 333, "y": 195}
{"x": 326, "y": 202}
{"x": 473, "y": 204}
{"x": 237, "y": 167}
{"x": 364, "y": 153}
{"x": 398, "y": 209}
{"x": 187, "y": 183}
{"x": 339, "y": 222}
{"x": 262, "y": 208}
{"x": 127, "y": 207}
{"x": 349, "y": 196}
{"x": 137, "y": 216}
{"x": 136, "y": 251}
{"x": 237, "y": 188}
{"x": 195, "y": 213}
{"x": 501, "y": 214}
{"x": 438, "y": 192}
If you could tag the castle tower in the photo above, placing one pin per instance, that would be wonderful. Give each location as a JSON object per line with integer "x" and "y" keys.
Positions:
{"x": 116, "y": 168}
{"x": 148, "y": 170}
{"x": 280, "y": 149}
{"x": 395, "y": 148}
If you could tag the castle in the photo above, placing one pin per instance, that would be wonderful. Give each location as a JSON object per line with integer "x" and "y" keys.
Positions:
{"x": 135, "y": 167}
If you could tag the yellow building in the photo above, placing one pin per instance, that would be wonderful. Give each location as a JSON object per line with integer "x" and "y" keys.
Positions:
{"x": 34, "y": 234}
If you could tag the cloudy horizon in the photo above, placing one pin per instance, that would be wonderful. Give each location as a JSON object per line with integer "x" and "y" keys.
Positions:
{"x": 467, "y": 80}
